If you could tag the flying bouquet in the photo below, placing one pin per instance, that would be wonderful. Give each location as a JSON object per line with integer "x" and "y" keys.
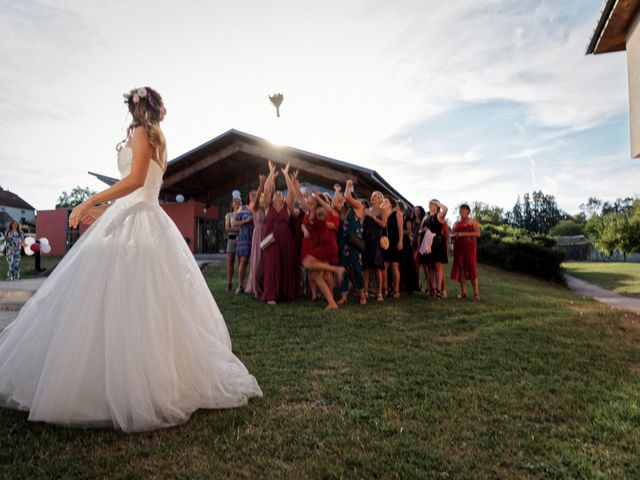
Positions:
{"x": 276, "y": 101}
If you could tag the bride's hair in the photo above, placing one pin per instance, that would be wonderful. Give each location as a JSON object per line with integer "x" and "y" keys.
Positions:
{"x": 147, "y": 109}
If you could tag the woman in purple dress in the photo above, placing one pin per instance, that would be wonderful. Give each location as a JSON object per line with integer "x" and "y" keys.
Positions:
{"x": 280, "y": 263}
{"x": 254, "y": 285}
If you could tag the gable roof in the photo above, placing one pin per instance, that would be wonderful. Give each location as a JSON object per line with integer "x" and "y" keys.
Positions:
{"x": 232, "y": 158}
{"x": 609, "y": 33}
{"x": 240, "y": 153}
{"x": 10, "y": 199}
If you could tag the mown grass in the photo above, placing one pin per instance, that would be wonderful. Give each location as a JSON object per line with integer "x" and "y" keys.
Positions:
{"x": 623, "y": 277}
{"x": 532, "y": 382}
{"x": 28, "y": 266}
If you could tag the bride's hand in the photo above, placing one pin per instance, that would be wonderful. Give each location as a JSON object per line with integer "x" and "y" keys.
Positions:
{"x": 91, "y": 215}
{"x": 78, "y": 212}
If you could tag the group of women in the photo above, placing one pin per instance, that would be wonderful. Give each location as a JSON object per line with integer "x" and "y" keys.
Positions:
{"x": 344, "y": 243}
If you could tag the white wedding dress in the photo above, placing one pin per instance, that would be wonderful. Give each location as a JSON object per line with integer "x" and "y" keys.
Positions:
{"x": 125, "y": 331}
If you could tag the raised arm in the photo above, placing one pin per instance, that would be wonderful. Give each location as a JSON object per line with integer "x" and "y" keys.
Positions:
{"x": 442, "y": 213}
{"x": 270, "y": 185}
{"x": 353, "y": 203}
{"x": 299, "y": 195}
{"x": 291, "y": 197}
{"x": 256, "y": 201}
{"x": 142, "y": 152}
{"x": 322, "y": 202}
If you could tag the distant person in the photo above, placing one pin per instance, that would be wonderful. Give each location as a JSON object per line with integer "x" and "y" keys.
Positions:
{"x": 232, "y": 237}
{"x": 14, "y": 239}
{"x": 408, "y": 268}
{"x": 374, "y": 225}
{"x": 434, "y": 221}
{"x": 281, "y": 270}
{"x": 465, "y": 233}
{"x": 244, "y": 224}
{"x": 393, "y": 255}
{"x": 256, "y": 272}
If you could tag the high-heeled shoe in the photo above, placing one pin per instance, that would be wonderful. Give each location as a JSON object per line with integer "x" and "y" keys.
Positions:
{"x": 462, "y": 295}
{"x": 380, "y": 298}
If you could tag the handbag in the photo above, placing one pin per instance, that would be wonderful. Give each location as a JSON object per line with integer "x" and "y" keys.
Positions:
{"x": 427, "y": 241}
{"x": 384, "y": 241}
{"x": 266, "y": 241}
{"x": 356, "y": 241}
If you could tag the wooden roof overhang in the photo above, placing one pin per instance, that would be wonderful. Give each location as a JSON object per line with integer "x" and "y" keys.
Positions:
{"x": 610, "y": 32}
{"x": 235, "y": 158}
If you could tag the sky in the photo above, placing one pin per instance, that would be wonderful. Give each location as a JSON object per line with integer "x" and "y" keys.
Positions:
{"x": 458, "y": 100}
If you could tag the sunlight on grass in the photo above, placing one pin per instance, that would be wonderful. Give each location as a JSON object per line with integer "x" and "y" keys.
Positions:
{"x": 623, "y": 277}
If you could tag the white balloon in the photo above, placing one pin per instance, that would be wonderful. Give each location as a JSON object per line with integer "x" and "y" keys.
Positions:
{"x": 44, "y": 241}
{"x": 179, "y": 198}
{"x": 29, "y": 241}
{"x": 28, "y": 250}
{"x": 45, "y": 248}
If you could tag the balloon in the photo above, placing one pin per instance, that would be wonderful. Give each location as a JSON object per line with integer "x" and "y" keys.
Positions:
{"x": 35, "y": 248}
{"x": 44, "y": 241}
{"x": 179, "y": 198}
{"x": 29, "y": 241}
{"x": 27, "y": 250}
{"x": 45, "y": 248}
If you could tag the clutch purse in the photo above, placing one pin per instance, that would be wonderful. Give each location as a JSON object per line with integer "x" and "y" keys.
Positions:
{"x": 356, "y": 241}
{"x": 266, "y": 241}
{"x": 384, "y": 242}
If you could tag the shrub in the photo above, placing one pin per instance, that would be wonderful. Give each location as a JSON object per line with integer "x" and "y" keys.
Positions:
{"x": 516, "y": 250}
{"x": 567, "y": 228}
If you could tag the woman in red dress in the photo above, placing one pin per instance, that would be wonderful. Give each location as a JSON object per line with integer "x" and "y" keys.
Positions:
{"x": 280, "y": 263}
{"x": 319, "y": 253}
{"x": 465, "y": 232}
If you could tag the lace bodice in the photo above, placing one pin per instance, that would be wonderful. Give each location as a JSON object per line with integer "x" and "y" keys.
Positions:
{"x": 151, "y": 188}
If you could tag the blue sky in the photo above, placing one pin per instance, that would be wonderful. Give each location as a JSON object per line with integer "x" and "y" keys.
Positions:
{"x": 457, "y": 100}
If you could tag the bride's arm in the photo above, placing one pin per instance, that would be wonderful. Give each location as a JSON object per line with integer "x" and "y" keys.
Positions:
{"x": 142, "y": 152}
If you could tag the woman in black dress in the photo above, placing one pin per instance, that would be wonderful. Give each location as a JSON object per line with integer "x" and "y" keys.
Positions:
{"x": 393, "y": 254}
{"x": 408, "y": 269}
{"x": 375, "y": 223}
{"x": 434, "y": 221}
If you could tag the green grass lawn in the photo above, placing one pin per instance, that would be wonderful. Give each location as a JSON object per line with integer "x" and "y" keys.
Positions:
{"x": 623, "y": 277}
{"x": 28, "y": 266}
{"x": 533, "y": 382}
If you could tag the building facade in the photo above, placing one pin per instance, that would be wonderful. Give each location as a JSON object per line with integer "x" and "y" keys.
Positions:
{"x": 618, "y": 29}
{"x": 13, "y": 207}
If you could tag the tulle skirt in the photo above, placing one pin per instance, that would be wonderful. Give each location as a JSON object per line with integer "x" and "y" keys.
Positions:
{"x": 124, "y": 333}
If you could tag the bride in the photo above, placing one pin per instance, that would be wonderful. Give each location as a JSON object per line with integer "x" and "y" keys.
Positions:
{"x": 125, "y": 331}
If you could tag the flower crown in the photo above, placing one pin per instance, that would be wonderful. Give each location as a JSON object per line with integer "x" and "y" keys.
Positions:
{"x": 152, "y": 98}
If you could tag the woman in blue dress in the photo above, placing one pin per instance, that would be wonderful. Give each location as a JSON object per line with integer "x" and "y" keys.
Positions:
{"x": 244, "y": 223}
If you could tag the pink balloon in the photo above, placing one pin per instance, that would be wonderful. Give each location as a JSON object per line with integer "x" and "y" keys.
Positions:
{"x": 35, "y": 247}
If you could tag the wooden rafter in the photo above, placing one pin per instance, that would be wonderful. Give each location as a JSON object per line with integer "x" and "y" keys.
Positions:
{"x": 201, "y": 165}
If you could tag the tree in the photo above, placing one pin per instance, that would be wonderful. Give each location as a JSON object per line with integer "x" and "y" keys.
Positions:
{"x": 616, "y": 231}
{"x": 566, "y": 228}
{"x": 592, "y": 207}
{"x": 487, "y": 214}
{"x": 77, "y": 196}
{"x": 536, "y": 213}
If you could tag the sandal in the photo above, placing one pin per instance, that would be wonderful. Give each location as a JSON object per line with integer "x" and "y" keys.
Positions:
{"x": 396, "y": 294}
{"x": 380, "y": 298}
{"x": 476, "y": 298}
{"x": 363, "y": 298}
{"x": 462, "y": 295}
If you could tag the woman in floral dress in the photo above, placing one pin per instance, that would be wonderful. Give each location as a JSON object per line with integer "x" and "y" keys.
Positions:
{"x": 13, "y": 242}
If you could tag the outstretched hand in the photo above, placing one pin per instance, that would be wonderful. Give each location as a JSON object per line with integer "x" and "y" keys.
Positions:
{"x": 78, "y": 213}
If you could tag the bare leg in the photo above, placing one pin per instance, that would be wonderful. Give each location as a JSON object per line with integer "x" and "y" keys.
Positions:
{"x": 395, "y": 271}
{"x": 363, "y": 299}
{"x": 231, "y": 260}
{"x": 242, "y": 270}
{"x": 442, "y": 285}
{"x": 463, "y": 283}
{"x": 312, "y": 263}
{"x": 326, "y": 291}
{"x": 379, "y": 273}
{"x": 476, "y": 290}
{"x": 385, "y": 278}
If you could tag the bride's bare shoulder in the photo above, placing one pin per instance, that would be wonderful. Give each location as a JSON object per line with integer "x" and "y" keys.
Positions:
{"x": 140, "y": 140}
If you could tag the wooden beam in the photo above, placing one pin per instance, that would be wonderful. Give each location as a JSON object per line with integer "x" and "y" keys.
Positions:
{"x": 200, "y": 165}
{"x": 298, "y": 163}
